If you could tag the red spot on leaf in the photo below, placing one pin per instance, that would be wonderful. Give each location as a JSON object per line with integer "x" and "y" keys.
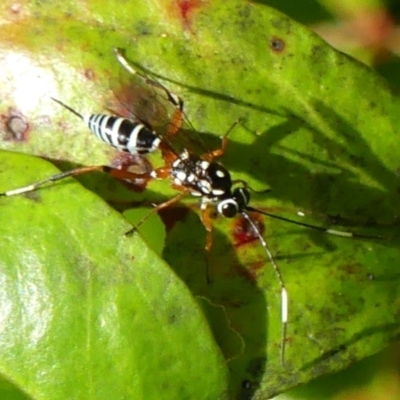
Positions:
{"x": 243, "y": 233}
{"x": 186, "y": 9}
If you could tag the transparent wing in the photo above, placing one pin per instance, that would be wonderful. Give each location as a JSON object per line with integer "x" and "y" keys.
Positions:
{"x": 142, "y": 97}
{"x": 141, "y": 101}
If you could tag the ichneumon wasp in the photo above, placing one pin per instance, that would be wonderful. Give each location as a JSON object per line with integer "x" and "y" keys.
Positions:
{"x": 200, "y": 176}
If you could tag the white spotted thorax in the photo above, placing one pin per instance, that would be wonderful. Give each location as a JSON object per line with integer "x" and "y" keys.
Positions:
{"x": 209, "y": 180}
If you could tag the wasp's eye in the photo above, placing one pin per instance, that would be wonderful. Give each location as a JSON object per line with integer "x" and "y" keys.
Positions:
{"x": 228, "y": 208}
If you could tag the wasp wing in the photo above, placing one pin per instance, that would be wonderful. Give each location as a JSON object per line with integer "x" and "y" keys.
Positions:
{"x": 142, "y": 97}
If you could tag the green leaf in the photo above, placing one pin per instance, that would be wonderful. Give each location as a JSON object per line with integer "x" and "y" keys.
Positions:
{"x": 88, "y": 312}
{"x": 319, "y": 129}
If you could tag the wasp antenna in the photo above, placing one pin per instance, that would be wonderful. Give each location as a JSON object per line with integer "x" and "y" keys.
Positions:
{"x": 68, "y": 108}
{"x": 262, "y": 191}
{"x": 316, "y": 227}
{"x": 247, "y": 186}
{"x": 123, "y": 61}
{"x": 284, "y": 295}
{"x": 149, "y": 78}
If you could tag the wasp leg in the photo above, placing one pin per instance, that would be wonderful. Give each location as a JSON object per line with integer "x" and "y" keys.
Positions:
{"x": 206, "y": 221}
{"x": 116, "y": 173}
{"x": 159, "y": 207}
{"x": 224, "y": 144}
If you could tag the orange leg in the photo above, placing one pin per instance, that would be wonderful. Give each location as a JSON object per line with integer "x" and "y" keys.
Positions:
{"x": 218, "y": 152}
{"x": 162, "y": 172}
{"x": 206, "y": 220}
{"x": 159, "y": 207}
{"x": 120, "y": 173}
{"x": 168, "y": 155}
{"x": 117, "y": 173}
{"x": 176, "y": 123}
{"x": 224, "y": 144}
{"x": 174, "y": 127}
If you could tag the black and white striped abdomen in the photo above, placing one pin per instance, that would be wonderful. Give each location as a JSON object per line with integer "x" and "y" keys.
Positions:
{"x": 123, "y": 134}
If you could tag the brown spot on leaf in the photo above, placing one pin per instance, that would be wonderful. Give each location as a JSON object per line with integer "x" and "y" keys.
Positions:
{"x": 16, "y": 127}
{"x": 277, "y": 44}
{"x": 89, "y": 74}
